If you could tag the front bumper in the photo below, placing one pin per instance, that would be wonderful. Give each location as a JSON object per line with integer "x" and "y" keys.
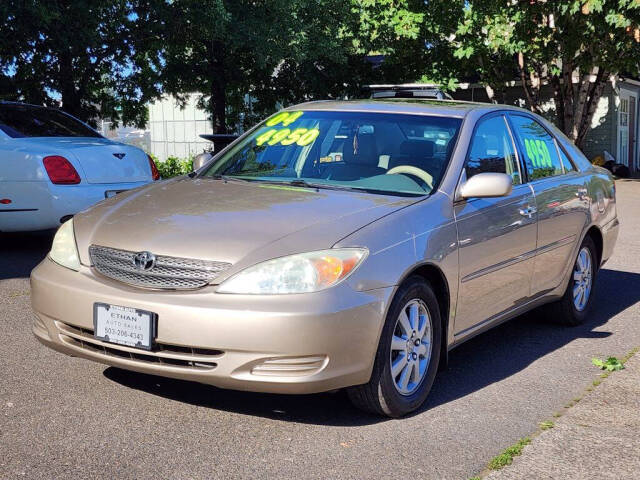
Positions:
{"x": 296, "y": 344}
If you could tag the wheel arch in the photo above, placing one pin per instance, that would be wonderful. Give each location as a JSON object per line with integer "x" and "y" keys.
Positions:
{"x": 438, "y": 281}
{"x": 596, "y": 235}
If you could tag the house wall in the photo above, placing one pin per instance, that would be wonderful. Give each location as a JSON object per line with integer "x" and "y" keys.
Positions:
{"x": 174, "y": 131}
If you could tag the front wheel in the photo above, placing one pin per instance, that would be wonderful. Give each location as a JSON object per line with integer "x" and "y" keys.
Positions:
{"x": 408, "y": 353}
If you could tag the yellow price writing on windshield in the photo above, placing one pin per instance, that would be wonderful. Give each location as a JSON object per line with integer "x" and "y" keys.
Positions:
{"x": 300, "y": 136}
{"x": 286, "y": 118}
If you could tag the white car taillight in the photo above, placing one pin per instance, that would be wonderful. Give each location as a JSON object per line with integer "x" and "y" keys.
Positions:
{"x": 60, "y": 170}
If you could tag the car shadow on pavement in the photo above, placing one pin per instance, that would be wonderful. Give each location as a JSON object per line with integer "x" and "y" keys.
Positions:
{"x": 478, "y": 363}
{"x": 21, "y": 252}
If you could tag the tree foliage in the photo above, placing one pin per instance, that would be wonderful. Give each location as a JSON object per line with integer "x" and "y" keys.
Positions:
{"x": 574, "y": 46}
{"x": 276, "y": 51}
{"x": 78, "y": 54}
{"x": 244, "y": 57}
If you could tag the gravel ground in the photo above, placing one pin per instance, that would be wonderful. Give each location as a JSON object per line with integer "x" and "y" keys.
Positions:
{"x": 63, "y": 417}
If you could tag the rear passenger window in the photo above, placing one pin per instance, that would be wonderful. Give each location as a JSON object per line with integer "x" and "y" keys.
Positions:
{"x": 492, "y": 150}
{"x": 566, "y": 163}
{"x": 540, "y": 153}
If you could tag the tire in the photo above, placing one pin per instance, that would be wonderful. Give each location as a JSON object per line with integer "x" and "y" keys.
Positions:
{"x": 566, "y": 311}
{"x": 382, "y": 395}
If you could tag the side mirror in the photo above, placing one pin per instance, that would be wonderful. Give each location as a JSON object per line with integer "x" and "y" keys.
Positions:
{"x": 200, "y": 160}
{"x": 485, "y": 185}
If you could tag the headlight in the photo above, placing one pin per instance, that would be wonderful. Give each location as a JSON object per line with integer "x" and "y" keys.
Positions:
{"x": 304, "y": 272}
{"x": 64, "y": 251}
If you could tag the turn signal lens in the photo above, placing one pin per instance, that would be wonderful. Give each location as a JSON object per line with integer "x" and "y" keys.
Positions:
{"x": 304, "y": 272}
{"x": 60, "y": 170}
{"x": 155, "y": 174}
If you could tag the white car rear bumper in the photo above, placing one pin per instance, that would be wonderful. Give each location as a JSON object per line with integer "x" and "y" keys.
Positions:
{"x": 41, "y": 205}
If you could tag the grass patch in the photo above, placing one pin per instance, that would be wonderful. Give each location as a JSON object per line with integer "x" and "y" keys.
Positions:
{"x": 629, "y": 355}
{"x": 506, "y": 457}
{"x": 546, "y": 425}
{"x": 611, "y": 364}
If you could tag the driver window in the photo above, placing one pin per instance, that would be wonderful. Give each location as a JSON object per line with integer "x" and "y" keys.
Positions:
{"x": 492, "y": 150}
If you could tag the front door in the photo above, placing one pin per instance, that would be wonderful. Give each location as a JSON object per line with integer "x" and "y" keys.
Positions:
{"x": 632, "y": 133}
{"x": 496, "y": 236}
{"x": 626, "y": 126}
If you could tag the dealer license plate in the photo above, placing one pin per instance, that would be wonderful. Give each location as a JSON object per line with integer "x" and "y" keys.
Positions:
{"x": 124, "y": 325}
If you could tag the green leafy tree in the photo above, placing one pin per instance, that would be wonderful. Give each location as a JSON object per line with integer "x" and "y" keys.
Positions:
{"x": 246, "y": 57}
{"x": 575, "y": 46}
{"x": 78, "y": 54}
{"x": 218, "y": 48}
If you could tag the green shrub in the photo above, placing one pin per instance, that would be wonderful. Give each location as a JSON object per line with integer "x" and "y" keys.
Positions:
{"x": 174, "y": 166}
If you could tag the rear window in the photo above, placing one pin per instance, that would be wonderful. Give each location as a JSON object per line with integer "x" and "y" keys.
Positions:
{"x": 19, "y": 121}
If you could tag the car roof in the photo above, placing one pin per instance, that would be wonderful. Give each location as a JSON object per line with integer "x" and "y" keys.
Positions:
{"x": 411, "y": 106}
{"x": 23, "y": 104}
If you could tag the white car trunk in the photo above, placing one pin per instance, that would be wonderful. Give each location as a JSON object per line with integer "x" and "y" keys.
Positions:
{"x": 101, "y": 160}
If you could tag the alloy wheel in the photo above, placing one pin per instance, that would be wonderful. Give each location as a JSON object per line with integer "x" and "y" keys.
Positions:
{"x": 411, "y": 347}
{"x": 582, "y": 279}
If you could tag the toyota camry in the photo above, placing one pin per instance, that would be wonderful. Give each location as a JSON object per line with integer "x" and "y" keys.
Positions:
{"x": 335, "y": 245}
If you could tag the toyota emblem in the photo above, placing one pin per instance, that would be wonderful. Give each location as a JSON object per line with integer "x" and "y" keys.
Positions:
{"x": 144, "y": 260}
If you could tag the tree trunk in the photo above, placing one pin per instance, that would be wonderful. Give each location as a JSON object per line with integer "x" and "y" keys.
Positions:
{"x": 593, "y": 94}
{"x": 532, "y": 100}
{"x": 218, "y": 104}
{"x": 68, "y": 94}
{"x": 558, "y": 99}
{"x": 568, "y": 96}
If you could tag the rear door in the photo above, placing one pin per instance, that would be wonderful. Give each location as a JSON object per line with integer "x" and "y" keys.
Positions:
{"x": 561, "y": 200}
{"x": 496, "y": 236}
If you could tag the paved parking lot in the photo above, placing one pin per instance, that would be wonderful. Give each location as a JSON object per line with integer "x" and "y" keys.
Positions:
{"x": 62, "y": 417}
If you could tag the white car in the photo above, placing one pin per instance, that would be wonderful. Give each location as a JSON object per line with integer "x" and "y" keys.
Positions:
{"x": 52, "y": 166}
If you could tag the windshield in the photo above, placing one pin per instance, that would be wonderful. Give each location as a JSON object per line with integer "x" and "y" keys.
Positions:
{"x": 19, "y": 121}
{"x": 377, "y": 152}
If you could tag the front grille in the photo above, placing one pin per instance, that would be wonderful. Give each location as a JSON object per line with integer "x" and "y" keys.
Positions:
{"x": 170, "y": 273}
{"x": 164, "y": 354}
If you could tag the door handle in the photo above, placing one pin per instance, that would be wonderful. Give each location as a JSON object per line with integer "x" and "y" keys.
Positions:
{"x": 582, "y": 193}
{"x": 529, "y": 211}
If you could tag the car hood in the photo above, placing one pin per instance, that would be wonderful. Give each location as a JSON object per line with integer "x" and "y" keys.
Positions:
{"x": 237, "y": 222}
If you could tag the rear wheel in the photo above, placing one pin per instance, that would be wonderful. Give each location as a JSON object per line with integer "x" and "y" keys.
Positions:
{"x": 407, "y": 357}
{"x": 573, "y": 308}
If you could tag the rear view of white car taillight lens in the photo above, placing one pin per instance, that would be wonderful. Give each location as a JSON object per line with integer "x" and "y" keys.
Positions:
{"x": 155, "y": 174}
{"x": 60, "y": 170}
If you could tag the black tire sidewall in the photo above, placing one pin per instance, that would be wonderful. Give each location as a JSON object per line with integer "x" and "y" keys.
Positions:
{"x": 392, "y": 402}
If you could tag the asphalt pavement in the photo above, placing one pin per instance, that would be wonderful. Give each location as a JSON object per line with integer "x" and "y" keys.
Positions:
{"x": 63, "y": 417}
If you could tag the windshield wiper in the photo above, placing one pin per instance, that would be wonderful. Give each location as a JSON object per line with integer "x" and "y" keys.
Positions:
{"x": 227, "y": 178}
{"x": 318, "y": 186}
